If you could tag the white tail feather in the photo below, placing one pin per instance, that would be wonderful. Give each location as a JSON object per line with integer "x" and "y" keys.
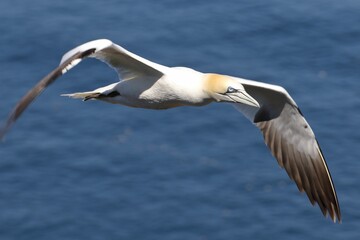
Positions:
{"x": 81, "y": 95}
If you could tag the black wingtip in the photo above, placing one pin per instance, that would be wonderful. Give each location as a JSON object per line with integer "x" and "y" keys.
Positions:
{"x": 38, "y": 88}
{"x": 2, "y": 135}
{"x": 5, "y": 128}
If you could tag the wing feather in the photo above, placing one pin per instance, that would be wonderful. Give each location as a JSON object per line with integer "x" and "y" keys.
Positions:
{"x": 293, "y": 143}
{"x": 127, "y": 64}
{"x": 30, "y": 96}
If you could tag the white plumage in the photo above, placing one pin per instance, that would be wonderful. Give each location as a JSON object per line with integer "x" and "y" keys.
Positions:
{"x": 145, "y": 84}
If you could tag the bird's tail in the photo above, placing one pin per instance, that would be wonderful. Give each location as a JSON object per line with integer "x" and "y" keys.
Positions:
{"x": 83, "y": 95}
{"x": 97, "y": 94}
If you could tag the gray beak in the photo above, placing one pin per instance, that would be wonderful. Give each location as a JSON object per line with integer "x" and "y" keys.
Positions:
{"x": 241, "y": 96}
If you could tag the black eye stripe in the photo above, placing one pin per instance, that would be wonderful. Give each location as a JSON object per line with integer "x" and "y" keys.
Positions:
{"x": 231, "y": 90}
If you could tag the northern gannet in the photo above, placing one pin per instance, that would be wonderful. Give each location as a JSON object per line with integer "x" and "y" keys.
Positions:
{"x": 145, "y": 84}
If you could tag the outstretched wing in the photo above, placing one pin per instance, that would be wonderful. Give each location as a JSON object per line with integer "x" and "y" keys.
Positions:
{"x": 292, "y": 142}
{"x": 127, "y": 64}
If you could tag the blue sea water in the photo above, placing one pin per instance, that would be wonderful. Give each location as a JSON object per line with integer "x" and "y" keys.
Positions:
{"x": 90, "y": 170}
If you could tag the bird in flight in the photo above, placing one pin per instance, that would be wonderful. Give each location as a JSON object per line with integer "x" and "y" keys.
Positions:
{"x": 145, "y": 84}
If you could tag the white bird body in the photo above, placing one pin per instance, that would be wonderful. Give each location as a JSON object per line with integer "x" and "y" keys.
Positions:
{"x": 177, "y": 87}
{"x": 145, "y": 84}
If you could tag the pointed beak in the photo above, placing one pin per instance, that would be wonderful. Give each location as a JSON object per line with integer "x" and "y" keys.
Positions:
{"x": 243, "y": 97}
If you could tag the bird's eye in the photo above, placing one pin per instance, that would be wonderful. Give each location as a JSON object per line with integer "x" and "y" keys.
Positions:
{"x": 231, "y": 90}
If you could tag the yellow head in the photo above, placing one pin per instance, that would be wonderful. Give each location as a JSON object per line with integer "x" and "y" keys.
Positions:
{"x": 227, "y": 89}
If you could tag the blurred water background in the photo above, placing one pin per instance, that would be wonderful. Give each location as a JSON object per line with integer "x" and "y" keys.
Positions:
{"x": 90, "y": 170}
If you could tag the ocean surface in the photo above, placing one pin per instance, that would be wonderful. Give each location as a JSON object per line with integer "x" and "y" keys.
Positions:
{"x": 89, "y": 170}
